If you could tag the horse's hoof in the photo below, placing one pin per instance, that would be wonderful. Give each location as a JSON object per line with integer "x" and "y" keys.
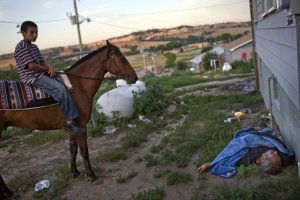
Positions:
{"x": 94, "y": 178}
{"x": 75, "y": 174}
{"x": 97, "y": 181}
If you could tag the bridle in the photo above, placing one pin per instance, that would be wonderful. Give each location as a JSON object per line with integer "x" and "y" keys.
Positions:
{"x": 111, "y": 57}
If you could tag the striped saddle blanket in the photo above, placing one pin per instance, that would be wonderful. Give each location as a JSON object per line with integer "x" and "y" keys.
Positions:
{"x": 17, "y": 95}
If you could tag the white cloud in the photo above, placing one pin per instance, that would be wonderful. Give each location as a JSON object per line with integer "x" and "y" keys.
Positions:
{"x": 48, "y": 3}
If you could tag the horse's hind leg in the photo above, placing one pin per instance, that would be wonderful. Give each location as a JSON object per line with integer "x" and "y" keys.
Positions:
{"x": 4, "y": 191}
{"x": 82, "y": 141}
{"x": 73, "y": 151}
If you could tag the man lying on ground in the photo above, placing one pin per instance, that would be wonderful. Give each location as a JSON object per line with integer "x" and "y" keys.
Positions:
{"x": 251, "y": 146}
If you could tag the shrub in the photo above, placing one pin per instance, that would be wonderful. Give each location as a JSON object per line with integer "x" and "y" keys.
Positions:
{"x": 151, "y": 101}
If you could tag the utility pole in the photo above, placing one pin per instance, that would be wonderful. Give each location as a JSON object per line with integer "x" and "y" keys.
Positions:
{"x": 77, "y": 24}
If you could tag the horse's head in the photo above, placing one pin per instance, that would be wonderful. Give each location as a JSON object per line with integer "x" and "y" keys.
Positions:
{"x": 119, "y": 65}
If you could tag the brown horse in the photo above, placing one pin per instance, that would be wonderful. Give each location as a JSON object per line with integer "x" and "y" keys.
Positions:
{"x": 85, "y": 76}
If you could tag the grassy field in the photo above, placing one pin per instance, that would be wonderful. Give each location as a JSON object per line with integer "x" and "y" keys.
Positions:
{"x": 159, "y": 154}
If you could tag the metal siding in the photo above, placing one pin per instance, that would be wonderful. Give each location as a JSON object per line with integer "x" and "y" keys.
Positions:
{"x": 275, "y": 20}
{"x": 287, "y": 78}
{"x": 295, "y": 5}
{"x": 276, "y": 44}
{"x": 287, "y": 116}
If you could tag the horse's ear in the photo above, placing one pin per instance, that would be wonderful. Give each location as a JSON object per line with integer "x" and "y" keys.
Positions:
{"x": 107, "y": 43}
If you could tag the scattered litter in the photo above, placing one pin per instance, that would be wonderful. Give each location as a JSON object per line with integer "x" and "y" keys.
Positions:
{"x": 131, "y": 125}
{"x": 182, "y": 103}
{"x": 240, "y": 115}
{"x": 44, "y": 184}
{"x": 109, "y": 130}
{"x": 144, "y": 119}
{"x": 250, "y": 89}
{"x": 246, "y": 110}
{"x": 267, "y": 117}
{"x": 232, "y": 120}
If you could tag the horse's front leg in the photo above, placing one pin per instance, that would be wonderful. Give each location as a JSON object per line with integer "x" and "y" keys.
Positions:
{"x": 82, "y": 141}
{"x": 4, "y": 191}
{"x": 73, "y": 151}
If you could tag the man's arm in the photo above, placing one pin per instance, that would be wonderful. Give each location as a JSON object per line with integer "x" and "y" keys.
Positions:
{"x": 43, "y": 67}
{"x": 204, "y": 167}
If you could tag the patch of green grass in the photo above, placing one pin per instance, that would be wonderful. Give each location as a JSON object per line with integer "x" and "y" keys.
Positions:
{"x": 56, "y": 188}
{"x": 133, "y": 139}
{"x": 225, "y": 192}
{"x": 43, "y": 137}
{"x": 120, "y": 179}
{"x": 131, "y": 174}
{"x": 150, "y": 194}
{"x": 23, "y": 182}
{"x": 151, "y": 160}
{"x": 113, "y": 155}
{"x": 279, "y": 188}
{"x": 248, "y": 170}
{"x": 160, "y": 173}
{"x": 156, "y": 148}
{"x": 178, "y": 177}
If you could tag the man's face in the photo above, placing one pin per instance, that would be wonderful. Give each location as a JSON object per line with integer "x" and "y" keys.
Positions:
{"x": 31, "y": 34}
{"x": 271, "y": 155}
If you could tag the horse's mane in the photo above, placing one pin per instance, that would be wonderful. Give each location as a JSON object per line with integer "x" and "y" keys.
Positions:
{"x": 88, "y": 56}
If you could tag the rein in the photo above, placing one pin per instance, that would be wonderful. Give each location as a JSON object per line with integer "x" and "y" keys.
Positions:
{"x": 91, "y": 78}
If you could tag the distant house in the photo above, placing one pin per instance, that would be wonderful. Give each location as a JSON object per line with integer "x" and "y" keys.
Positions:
{"x": 276, "y": 34}
{"x": 197, "y": 60}
{"x": 154, "y": 69}
{"x": 239, "y": 49}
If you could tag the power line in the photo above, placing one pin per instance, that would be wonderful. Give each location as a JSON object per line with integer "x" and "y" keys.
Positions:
{"x": 176, "y": 10}
{"x": 45, "y": 21}
{"x": 125, "y": 27}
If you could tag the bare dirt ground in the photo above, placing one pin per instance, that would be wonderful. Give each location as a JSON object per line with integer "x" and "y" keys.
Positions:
{"x": 43, "y": 162}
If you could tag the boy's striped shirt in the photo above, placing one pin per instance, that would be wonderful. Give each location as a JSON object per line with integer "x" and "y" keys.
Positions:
{"x": 26, "y": 53}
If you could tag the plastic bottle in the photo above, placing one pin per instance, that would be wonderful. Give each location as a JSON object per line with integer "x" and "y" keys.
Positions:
{"x": 232, "y": 120}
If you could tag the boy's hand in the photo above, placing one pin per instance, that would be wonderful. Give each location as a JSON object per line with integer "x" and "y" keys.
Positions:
{"x": 51, "y": 72}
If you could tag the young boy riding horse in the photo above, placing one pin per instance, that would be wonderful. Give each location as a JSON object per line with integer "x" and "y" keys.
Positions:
{"x": 34, "y": 70}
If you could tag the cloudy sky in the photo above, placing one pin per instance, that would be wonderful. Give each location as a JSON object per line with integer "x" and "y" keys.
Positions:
{"x": 109, "y": 18}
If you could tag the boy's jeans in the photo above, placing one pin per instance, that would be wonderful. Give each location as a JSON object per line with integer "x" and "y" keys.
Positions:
{"x": 60, "y": 94}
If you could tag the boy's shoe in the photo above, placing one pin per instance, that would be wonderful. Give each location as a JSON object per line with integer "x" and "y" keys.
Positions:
{"x": 73, "y": 127}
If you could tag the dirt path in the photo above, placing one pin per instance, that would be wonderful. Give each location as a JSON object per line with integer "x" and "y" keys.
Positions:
{"x": 43, "y": 161}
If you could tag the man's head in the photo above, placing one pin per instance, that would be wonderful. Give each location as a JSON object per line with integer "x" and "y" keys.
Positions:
{"x": 271, "y": 162}
{"x": 29, "y": 31}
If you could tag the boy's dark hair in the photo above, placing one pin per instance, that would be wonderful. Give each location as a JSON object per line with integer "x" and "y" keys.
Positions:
{"x": 27, "y": 24}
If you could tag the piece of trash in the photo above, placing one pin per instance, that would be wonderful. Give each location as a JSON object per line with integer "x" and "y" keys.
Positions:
{"x": 249, "y": 89}
{"x": 246, "y": 110}
{"x": 240, "y": 115}
{"x": 131, "y": 125}
{"x": 144, "y": 119}
{"x": 267, "y": 117}
{"x": 232, "y": 120}
{"x": 109, "y": 130}
{"x": 44, "y": 184}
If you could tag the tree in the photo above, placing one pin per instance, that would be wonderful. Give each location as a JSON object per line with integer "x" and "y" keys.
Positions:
{"x": 181, "y": 65}
{"x": 170, "y": 59}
